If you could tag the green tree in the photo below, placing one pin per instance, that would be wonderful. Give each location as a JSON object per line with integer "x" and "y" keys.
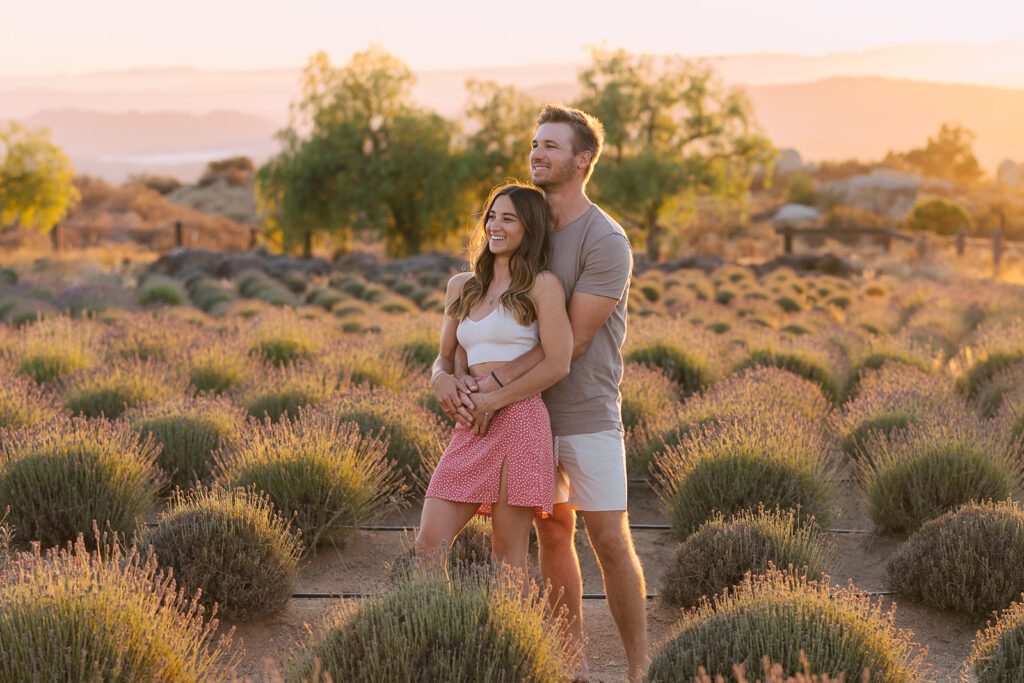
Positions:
{"x": 672, "y": 131}
{"x": 940, "y": 216}
{"x": 502, "y": 119}
{"x": 949, "y": 156}
{"x": 358, "y": 154}
{"x": 36, "y": 179}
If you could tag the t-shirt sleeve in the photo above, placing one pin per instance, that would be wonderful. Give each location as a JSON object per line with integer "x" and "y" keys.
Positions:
{"x": 606, "y": 267}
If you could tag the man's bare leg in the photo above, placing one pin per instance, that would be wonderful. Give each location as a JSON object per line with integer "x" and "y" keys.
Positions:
{"x": 623, "y": 576}
{"x": 560, "y": 567}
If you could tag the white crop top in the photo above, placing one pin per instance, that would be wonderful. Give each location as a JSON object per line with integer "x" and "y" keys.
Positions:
{"x": 498, "y": 336}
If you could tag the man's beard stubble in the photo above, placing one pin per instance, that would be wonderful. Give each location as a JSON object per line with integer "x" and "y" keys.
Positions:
{"x": 559, "y": 175}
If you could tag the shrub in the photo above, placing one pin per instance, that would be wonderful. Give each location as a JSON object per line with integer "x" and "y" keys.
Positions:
{"x": 55, "y": 348}
{"x": 231, "y": 545}
{"x": 160, "y": 289}
{"x": 751, "y": 392}
{"x": 318, "y": 470}
{"x": 113, "y": 388}
{"x": 283, "y": 337}
{"x": 997, "y": 654}
{"x": 218, "y": 366}
{"x": 890, "y": 398}
{"x": 93, "y": 298}
{"x": 366, "y": 361}
{"x": 148, "y": 337}
{"x": 726, "y": 467}
{"x": 72, "y": 615}
{"x": 255, "y": 284}
{"x": 1007, "y": 383}
{"x": 889, "y": 349}
{"x": 945, "y": 460}
{"x": 59, "y": 478}
{"x": 781, "y": 617}
{"x": 939, "y": 216}
{"x": 647, "y": 394}
{"x": 188, "y": 430}
{"x": 719, "y": 554}
{"x": 803, "y": 356}
{"x": 995, "y": 348}
{"x": 283, "y": 392}
{"x": 684, "y": 365}
{"x": 412, "y": 433}
{"x": 480, "y": 627}
{"x": 967, "y": 559}
{"x": 23, "y": 403}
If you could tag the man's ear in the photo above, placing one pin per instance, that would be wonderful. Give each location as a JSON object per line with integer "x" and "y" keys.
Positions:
{"x": 583, "y": 159}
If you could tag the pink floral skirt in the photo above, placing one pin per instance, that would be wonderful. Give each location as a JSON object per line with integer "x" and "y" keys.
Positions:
{"x": 470, "y": 469}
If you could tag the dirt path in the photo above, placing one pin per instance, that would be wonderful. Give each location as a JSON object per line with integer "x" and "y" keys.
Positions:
{"x": 361, "y": 565}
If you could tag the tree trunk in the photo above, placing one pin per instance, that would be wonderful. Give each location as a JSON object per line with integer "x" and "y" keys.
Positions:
{"x": 307, "y": 244}
{"x": 654, "y": 235}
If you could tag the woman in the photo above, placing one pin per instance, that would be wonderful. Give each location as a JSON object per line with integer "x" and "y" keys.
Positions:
{"x": 501, "y": 309}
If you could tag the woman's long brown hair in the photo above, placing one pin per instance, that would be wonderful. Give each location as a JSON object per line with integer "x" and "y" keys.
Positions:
{"x": 529, "y": 259}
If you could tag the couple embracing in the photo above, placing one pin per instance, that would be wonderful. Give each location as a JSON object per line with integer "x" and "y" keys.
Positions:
{"x": 542, "y": 310}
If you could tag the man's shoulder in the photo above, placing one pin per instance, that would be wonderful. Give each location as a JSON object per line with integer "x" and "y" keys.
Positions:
{"x": 601, "y": 225}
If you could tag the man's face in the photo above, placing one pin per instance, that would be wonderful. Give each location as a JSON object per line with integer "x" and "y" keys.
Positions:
{"x": 552, "y": 162}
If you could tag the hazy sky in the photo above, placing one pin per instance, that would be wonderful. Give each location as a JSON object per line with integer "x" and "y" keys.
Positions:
{"x": 72, "y": 36}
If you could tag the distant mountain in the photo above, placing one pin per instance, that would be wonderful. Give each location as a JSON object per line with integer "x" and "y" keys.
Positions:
{"x": 828, "y": 107}
{"x": 114, "y": 146}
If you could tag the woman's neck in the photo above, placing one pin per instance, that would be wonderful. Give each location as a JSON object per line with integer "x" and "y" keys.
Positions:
{"x": 501, "y": 273}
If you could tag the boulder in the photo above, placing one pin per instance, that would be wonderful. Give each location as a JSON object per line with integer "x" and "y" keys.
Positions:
{"x": 883, "y": 191}
{"x": 795, "y": 214}
{"x": 788, "y": 162}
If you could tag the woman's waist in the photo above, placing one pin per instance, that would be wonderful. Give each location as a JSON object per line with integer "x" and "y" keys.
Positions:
{"x": 485, "y": 368}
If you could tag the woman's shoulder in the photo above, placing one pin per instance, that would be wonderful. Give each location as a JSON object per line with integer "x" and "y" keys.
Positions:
{"x": 546, "y": 282}
{"x": 456, "y": 281}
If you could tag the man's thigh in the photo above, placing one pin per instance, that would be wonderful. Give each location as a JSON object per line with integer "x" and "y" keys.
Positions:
{"x": 592, "y": 471}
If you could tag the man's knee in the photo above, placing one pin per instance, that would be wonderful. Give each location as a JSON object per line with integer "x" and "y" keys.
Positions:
{"x": 557, "y": 532}
{"x": 611, "y": 539}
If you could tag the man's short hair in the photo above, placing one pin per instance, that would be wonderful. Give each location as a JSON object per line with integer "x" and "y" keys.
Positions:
{"x": 588, "y": 131}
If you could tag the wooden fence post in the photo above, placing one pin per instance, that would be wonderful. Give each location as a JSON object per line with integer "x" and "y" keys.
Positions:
{"x": 787, "y": 242}
{"x": 179, "y": 235}
{"x": 57, "y": 237}
{"x": 997, "y": 252}
{"x": 253, "y": 238}
{"x": 961, "y": 242}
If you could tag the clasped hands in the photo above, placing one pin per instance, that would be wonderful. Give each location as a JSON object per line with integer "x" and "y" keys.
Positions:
{"x": 466, "y": 400}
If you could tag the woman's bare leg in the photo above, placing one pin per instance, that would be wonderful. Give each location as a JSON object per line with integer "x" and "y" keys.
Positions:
{"x": 511, "y": 540}
{"x": 440, "y": 522}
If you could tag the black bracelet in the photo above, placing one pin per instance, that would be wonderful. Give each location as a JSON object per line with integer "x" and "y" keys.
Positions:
{"x": 497, "y": 380}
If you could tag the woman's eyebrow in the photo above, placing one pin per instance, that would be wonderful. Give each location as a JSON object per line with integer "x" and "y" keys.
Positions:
{"x": 509, "y": 214}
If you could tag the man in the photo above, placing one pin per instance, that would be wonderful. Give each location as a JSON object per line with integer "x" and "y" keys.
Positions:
{"x": 592, "y": 257}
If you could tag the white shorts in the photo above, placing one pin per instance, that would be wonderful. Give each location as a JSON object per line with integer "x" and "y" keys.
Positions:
{"x": 590, "y": 472}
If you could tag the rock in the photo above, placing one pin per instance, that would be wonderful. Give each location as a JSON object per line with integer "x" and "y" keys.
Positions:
{"x": 788, "y": 162}
{"x": 795, "y": 214}
{"x": 1011, "y": 173}
{"x": 827, "y": 264}
{"x": 883, "y": 191}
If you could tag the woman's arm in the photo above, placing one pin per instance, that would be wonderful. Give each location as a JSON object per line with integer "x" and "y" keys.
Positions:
{"x": 445, "y": 385}
{"x": 555, "y": 341}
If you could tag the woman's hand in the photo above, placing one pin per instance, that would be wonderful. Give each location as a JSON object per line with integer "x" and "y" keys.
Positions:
{"x": 482, "y": 413}
{"x": 450, "y": 391}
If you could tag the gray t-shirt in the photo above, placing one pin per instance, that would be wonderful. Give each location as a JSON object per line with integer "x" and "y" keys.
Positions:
{"x": 592, "y": 255}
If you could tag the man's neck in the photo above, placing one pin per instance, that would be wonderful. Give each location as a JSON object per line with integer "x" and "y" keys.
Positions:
{"x": 567, "y": 204}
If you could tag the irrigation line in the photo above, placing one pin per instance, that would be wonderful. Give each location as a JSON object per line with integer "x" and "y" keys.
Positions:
{"x": 634, "y": 527}
{"x": 586, "y": 596}
{"x": 358, "y": 596}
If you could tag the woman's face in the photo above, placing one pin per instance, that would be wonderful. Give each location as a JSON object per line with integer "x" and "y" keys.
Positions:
{"x": 504, "y": 229}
